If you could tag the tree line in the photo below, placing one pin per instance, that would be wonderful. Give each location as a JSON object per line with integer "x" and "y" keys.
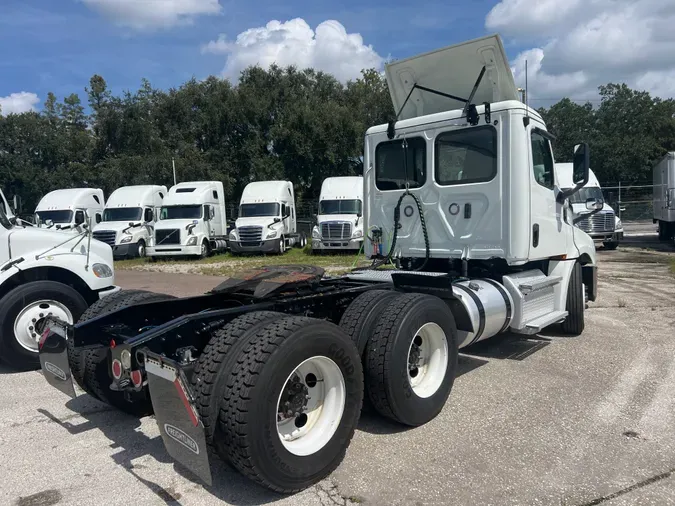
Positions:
{"x": 279, "y": 123}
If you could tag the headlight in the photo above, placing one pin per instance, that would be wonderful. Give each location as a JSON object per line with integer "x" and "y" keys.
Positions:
{"x": 618, "y": 225}
{"x": 102, "y": 270}
{"x": 315, "y": 233}
{"x": 357, "y": 234}
{"x": 191, "y": 241}
{"x": 272, "y": 234}
{"x": 126, "y": 238}
{"x": 233, "y": 235}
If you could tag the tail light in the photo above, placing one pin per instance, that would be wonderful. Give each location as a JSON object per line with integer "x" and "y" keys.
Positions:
{"x": 136, "y": 378}
{"x": 116, "y": 369}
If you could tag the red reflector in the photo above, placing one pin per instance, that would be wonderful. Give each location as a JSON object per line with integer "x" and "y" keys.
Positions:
{"x": 112, "y": 344}
{"x": 116, "y": 369}
{"x": 43, "y": 338}
{"x": 186, "y": 403}
{"x": 136, "y": 378}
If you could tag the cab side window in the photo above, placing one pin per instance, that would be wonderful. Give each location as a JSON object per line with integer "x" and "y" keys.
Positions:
{"x": 542, "y": 160}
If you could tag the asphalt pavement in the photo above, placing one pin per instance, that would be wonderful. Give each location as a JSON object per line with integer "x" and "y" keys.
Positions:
{"x": 549, "y": 420}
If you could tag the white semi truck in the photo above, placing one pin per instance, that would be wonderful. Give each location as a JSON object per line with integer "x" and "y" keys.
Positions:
{"x": 129, "y": 219}
{"x": 68, "y": 209}
{"x": 340, "y": 218}
{"x": 664, "y": 196}
{"x": 267, "y": 219}
{"x": 269, "y": 369}
{"x": 603, "y": 226}
{"x": 45, "y": 273}
{"x": 192, "y": 221}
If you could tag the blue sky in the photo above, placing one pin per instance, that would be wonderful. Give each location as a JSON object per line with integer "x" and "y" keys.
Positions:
{"x": 56, "y": 46}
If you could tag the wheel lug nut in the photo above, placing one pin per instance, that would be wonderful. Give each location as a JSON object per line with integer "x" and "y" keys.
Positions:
{"x": 30, "y": 328}
{"x": 42, "y": 315}
{"x": 34, "y": 320}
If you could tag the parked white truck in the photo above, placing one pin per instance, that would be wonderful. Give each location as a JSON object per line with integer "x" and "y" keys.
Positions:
{"x": 45, "y": 273}
{"x": 603, "y": 226}
{"x": 129, "y": 219}
{"x": 664, "y": 196}
{"x": 68, "y": 209}
{"x": 270, "y": 368}
{"x": 267, "y": 219}
{"x": 340, "y": 218}
{"x": 192, "y": 221}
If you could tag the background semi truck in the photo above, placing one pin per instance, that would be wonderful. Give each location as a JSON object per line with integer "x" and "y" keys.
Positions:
{"x": 603, "y": 226}
{"x": 267, "y": 219}
{"x": 69, "y": 208}
{"x": 340, "y": 219}
{"x": 270, "y": 368}
{"x": 129, "y": 219}
{"x": 45, "y": 273}
{"x": 664, "y": 196}
{"x": 192, "y": 221}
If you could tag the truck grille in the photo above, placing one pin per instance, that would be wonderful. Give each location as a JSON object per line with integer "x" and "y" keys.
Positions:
{"x": 167, "y": 236}
{"x": 106, "y": 236}
{"x": 336, "y": 230}
{"x": 250, "y": 236}
{"x": 599, "y": 222}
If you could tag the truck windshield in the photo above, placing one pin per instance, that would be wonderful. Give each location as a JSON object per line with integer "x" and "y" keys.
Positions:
{"x": 255, "y": 210}
{"x": 340, "y": 207}
{"x": 181, "y": 213}
{"x": 592, "y": 192}
{"x": 64, "y": 216}
{"x": 122, "y": 214}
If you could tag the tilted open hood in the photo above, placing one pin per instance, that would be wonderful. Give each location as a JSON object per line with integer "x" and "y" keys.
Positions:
{"x": 452, "y": 70}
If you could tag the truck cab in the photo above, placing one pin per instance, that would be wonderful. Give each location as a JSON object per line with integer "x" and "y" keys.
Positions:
{"x": 340, "y": 218}
{"x": 267, "y": 219}
{"x": 45, "y": 272}
{"x": 664, "y": 196}
{"x": 603, "y": 226}
{"x": 69, "y": 209}
{"x": 129, "y": 219}
{"x": 192, "y": 221}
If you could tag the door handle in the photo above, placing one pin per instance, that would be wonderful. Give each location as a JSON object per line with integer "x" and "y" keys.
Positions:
{"x": 535, "y": 235}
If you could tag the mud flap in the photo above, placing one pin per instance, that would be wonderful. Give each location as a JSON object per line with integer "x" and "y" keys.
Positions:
{"x": 53, "y": 353}
{"x": 176, "y": 415}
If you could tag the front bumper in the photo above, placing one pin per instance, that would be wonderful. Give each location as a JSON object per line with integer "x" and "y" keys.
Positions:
{"x": 269, "y": 246}
{"x": 129, "y": 249}
{"x": 108, "y": 291}
{"x": 614, "y": 236}
{"x": 336, "y": 244}
{"x": 173, "y": 250}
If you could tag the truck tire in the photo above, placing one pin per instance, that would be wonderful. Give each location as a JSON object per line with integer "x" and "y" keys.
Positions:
{"x": 205, "y": 249}
{"x": 662, "y": 231}
{"x": 411, "y": 359}
{"x": 96, "y": 372}
{"x": 140, "y": 249}
{"x": 100, "y": 307}
{"x": 574, "y": 323}
{"x": 361, "y": 316}
{"x": 611, "y": 245}
{"x": 304, "y": 365}
{"x": 215, "y": 364}
{"x": 21, "y": 314}
{"x": 282, "y": 246}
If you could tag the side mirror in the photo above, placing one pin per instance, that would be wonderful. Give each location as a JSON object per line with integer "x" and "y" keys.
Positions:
{"x": 98, "y": 218}
{"x": 595, "y": 204}
{"x": 581, "y": 164}
{"x": 79, "y": 217}
{"x": 277, "y": 219}
{"x": 212, "y": 212}
{"x": 148, "y": 215}
{"x": 359, "y": 214}
{"x": 49, "y": 223}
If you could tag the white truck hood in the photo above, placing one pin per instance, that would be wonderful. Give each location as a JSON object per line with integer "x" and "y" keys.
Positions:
{"x": 172, "y": 224}
{"x": 452, "y": 70}
{"x": 350, "y": 218}
{"x": 260, "y": 221}
{"x": 117, "y": 226}
{"x": 32, "y": 240}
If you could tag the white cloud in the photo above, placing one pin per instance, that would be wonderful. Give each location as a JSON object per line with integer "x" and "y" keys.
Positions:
{"x": 16, "y": 103}
{"x": 150, "y": 14}
{"x": 581, "y": 45}
{"x": 328, "y": 48}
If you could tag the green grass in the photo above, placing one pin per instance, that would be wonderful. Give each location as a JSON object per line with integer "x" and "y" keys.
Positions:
{"x": 672, "y": 265}
{"x": 226, "y": 264}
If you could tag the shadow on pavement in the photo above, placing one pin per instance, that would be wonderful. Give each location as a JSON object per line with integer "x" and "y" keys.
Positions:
{"x": 122, "y": 430}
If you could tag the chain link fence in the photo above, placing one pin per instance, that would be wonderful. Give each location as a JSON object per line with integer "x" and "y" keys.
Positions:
{"x": 631, "y": 202}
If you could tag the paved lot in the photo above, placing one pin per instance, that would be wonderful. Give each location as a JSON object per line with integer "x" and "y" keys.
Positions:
{"x": 551, "y": 420}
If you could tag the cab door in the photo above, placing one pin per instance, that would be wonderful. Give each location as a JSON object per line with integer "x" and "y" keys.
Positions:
{"x": 548, "y": 236}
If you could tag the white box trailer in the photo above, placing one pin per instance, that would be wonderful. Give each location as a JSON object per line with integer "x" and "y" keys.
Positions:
{"x": 129, "y": 219}
{"x": 603, "y": 226}
{"x": 340, "y": 218}
{"x": 70, "y": 208}
{"x": 192, "y": 221}
{"x": 267, "y": 219}
{"x": 664, "y": 196}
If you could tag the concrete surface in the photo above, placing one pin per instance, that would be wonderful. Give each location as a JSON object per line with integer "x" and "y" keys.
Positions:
{"x": 549, "y": 420}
